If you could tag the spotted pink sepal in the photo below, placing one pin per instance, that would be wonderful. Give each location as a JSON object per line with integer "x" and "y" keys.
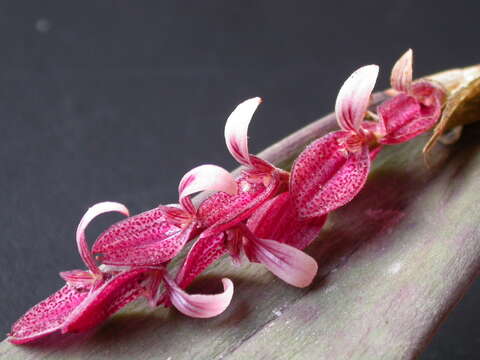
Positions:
{"x": 92, "y": 213}
{"x": 402, "y": 72}
{"x": 236, "y": 130}
{"x": 150, "y": 253}
{"x": 354, "y": 97}
{"x": 47, "y": 316}
{"x": 221, "y": 212}
{"x": 204, "y": 177}
{"x": 325, "y": 176}
{"x": 197, "y": 305}
{"x": 148, "y": 238}
{"x": 277, "y": 219}
{"x": 107, "y": 299}
{"x": 408, "y": 115}
{"x": 205, "y": 251}
{"x": 288, "y": 263}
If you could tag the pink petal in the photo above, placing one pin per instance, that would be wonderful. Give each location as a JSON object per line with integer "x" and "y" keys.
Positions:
{"x": 205, "y": 177}
{"x": 325, "y": 177}
{"x": 288, "y": 263}
{"x": 234, "y": 245}
{"x": 236, "y": 130}
{"x": 144, "y": 239}
{"x": 221, "y": 212}
{"x": 152, "y": 289}
{"x": 204, "y": 252}
{"x": 79, "y": 279}
{"x": 200, "y": 306}
{"x": 175, "y": 214}
{"x": 260, "y": 167}
{"x": 400, "y": 119}
{"x": 92, "y": 213}
{"x": 401, "y": 78}
{"x": 47, "y": 316}
{"x": 354, "y": 97}
{"x": 107, "y": 299}
{"x": 278, "y": 220}
{"x": 405, "y": 116}
{"x": 430, "y": 96}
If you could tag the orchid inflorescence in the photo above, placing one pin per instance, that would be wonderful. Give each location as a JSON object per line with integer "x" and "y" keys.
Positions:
{"x": 265, "y": 215}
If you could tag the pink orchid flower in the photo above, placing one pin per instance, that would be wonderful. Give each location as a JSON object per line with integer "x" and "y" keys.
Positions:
{"x": 91, "y": 296}
{"x": 224, "y": 216}
{"x": 333, "y": 169}
{"x": 414, "y": 110}
{"x": 156, "y": 236}
{"x": 258, "y": 182}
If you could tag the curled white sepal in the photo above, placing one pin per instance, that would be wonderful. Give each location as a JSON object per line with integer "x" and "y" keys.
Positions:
{"x": 205, "y": 177}
{"x": 402, "y": 72}
{"x": 236, "y": 130}
{"x": 198, "y": 305}
{"x": 354, "y": 97}
{"x": 91, "y": 214}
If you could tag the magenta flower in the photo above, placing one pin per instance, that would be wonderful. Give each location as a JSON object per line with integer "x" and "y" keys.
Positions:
{"x": 412, "y": 112}
{"x": 224, "y": 216}
{"x": 333, "y": 169}
{"x": 91, "y": 296}
{"x": 259, "y": 181}
{"x": 156, "y": 236}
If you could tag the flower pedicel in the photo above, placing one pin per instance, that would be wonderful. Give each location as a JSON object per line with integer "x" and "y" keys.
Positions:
{"x": 266, "y": 215}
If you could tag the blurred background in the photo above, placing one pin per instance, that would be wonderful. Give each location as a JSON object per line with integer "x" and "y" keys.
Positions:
{"x": 116, "y": 100}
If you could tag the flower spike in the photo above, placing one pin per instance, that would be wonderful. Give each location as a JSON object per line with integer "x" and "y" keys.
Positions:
{"x": 92, "y": 213}
{"x": 354, "y": 97}
{"x": 265, "y": 215}
{"x": 236, "y": 130}
{"x": 402, "y": 72}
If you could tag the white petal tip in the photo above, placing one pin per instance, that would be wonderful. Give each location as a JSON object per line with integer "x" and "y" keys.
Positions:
{"x": 354, "y": 97}
{"x": 236, "y": 130}
{"x": 90, "y": 214}
{"x": 402, "y": 72}
{"x": 207, "y": 177}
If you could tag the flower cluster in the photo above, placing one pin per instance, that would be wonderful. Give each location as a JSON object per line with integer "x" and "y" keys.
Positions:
{"x": 266, "y": 215}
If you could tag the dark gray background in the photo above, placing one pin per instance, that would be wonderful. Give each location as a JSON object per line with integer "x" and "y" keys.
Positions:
{"x": 115, "y": 100}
